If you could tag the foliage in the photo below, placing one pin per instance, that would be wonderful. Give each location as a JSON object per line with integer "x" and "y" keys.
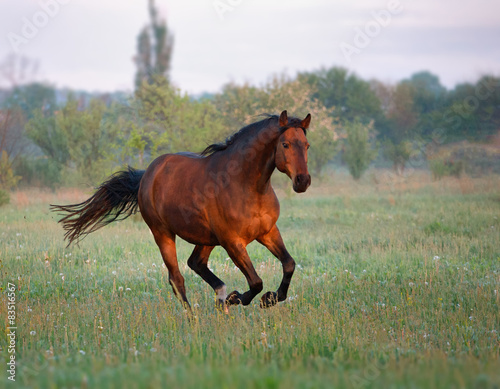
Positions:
{"x": 4, "y": 197}
{"x": 12, "y": 132}
{"x": 32, "y": 97}
{"x": 398, "y": 153}
{"x": 39, "y": 172}
{"x": 473, "y": 159}
{"x": 346, "y": 96}
{"x": 8, "y": 179}
{"x": 163, "y": 120}
{"x": 240, "y": 104}
{"x": 75, "y": 139}
{"x": 84, "y": 139}
{"x": 358, "y": 151}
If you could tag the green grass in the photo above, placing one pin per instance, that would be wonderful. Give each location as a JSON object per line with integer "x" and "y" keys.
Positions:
{"x": 391, "y": 290}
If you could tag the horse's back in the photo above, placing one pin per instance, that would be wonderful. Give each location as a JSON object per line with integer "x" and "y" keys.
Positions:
{"x": 166, "y": 197}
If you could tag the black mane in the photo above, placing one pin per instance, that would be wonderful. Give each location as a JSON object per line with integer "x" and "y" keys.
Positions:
{"x": 253, "y": 127}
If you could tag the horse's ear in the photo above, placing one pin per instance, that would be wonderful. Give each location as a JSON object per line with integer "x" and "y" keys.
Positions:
{"x": 283, "y": 119}
{"x": 305, "y": 123}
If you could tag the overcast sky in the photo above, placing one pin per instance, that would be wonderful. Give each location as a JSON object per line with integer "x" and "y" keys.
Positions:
{"x": 89, "y": 44}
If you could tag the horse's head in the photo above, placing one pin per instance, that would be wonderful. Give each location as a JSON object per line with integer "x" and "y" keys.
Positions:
{"x": 291, "y": 151}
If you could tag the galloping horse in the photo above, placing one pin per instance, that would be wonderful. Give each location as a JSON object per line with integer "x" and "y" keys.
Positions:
{"x": 222, "y": 196}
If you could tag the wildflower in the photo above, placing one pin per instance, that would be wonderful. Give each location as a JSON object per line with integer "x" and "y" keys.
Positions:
{"x": 364, "y": 271}
{"x": 82, "y": 352}
{"x": 120, "y": 289}
{"x": 113, "y": 272}
{"x": 32, "y": 333}
{"x": 411, "y": 284}
{"x": 154, "y": 265}
{"x": 127, "y": 289}
{"x": 436, "y": 258}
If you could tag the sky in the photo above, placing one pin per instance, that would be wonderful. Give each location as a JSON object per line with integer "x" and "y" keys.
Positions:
{"x": 90, "y": 44}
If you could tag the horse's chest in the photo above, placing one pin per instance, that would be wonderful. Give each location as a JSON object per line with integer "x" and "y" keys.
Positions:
{"x": 249, "y": 226}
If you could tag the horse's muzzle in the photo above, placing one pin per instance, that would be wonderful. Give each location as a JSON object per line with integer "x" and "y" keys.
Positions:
{"x": 301, "y": 182}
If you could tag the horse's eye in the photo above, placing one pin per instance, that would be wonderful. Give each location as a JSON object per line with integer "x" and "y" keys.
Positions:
{"x": 285, "y": 145}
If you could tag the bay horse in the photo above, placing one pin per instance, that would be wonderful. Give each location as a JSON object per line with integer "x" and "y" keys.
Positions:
{"x": 222, "y": 196}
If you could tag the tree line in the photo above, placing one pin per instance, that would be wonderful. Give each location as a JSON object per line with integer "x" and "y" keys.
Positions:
{"x": 46, "y": 143}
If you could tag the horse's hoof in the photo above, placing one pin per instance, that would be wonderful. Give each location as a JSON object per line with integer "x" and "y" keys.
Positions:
{"x": 234, "y": 298}
{"x": 222, "y": 306}
{"x": 268, "y": 300}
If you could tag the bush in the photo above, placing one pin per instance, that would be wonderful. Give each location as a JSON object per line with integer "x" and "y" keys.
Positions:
{"x": 443, "y": 168}
{"x": 358, "y": 152}
{"x": 41, "y": 172}
{"x": 8, "y": 179}
{"x": 4, "y": 197}
{"x": 473, "y": 159}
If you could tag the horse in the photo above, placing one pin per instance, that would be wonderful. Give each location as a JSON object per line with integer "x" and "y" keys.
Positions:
{"x": 221, "y": 196}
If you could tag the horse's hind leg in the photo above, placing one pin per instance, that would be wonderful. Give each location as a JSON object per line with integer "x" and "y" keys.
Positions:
{"x": 198, "y": 262}
{"x": 274, "y": 243}
{"x": 166, "y": 243}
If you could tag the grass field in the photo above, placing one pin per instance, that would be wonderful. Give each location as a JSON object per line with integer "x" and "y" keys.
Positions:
{"x": 396, "y": 287}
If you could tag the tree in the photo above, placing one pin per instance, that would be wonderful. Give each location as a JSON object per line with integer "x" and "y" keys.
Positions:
{"x": 163, "y": 120}
{"x": 347, "y": 96}
{"x": 31, "y": 97}
{"x": 358, "y": 151}
{"x": 401, "y": 121}
{"x": 154, "y": 49}
{"x": 76, "y": 139}
{"x": 241, "y": 104}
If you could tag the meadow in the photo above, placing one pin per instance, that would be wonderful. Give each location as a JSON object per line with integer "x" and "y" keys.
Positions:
{"x": 396, "y": 286}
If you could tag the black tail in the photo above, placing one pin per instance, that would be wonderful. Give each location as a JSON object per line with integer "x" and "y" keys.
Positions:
{"x": 115, "y": 199}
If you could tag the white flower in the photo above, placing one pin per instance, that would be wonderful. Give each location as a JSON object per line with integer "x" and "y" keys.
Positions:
{"x": 127, "y": 289}
{"x": 120, "y": 289}
{"x": 32, "y": 333}
{"x": 82, "y": 352}
{"x": 436, "y": 258}
{"x": 113, "y": 272}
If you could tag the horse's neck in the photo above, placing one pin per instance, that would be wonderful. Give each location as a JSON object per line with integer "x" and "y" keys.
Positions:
{"x": 256, "y": 158}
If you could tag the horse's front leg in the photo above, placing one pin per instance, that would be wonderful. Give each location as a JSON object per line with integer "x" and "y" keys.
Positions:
{"x": 238, "y": 253}
{"x": 274, "y": 243}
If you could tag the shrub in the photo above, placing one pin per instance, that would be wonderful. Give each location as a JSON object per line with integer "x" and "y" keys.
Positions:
{"x": 4, "y": 197}
{"x": 473, "y": 159}
{"x": 358, "y": 152}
